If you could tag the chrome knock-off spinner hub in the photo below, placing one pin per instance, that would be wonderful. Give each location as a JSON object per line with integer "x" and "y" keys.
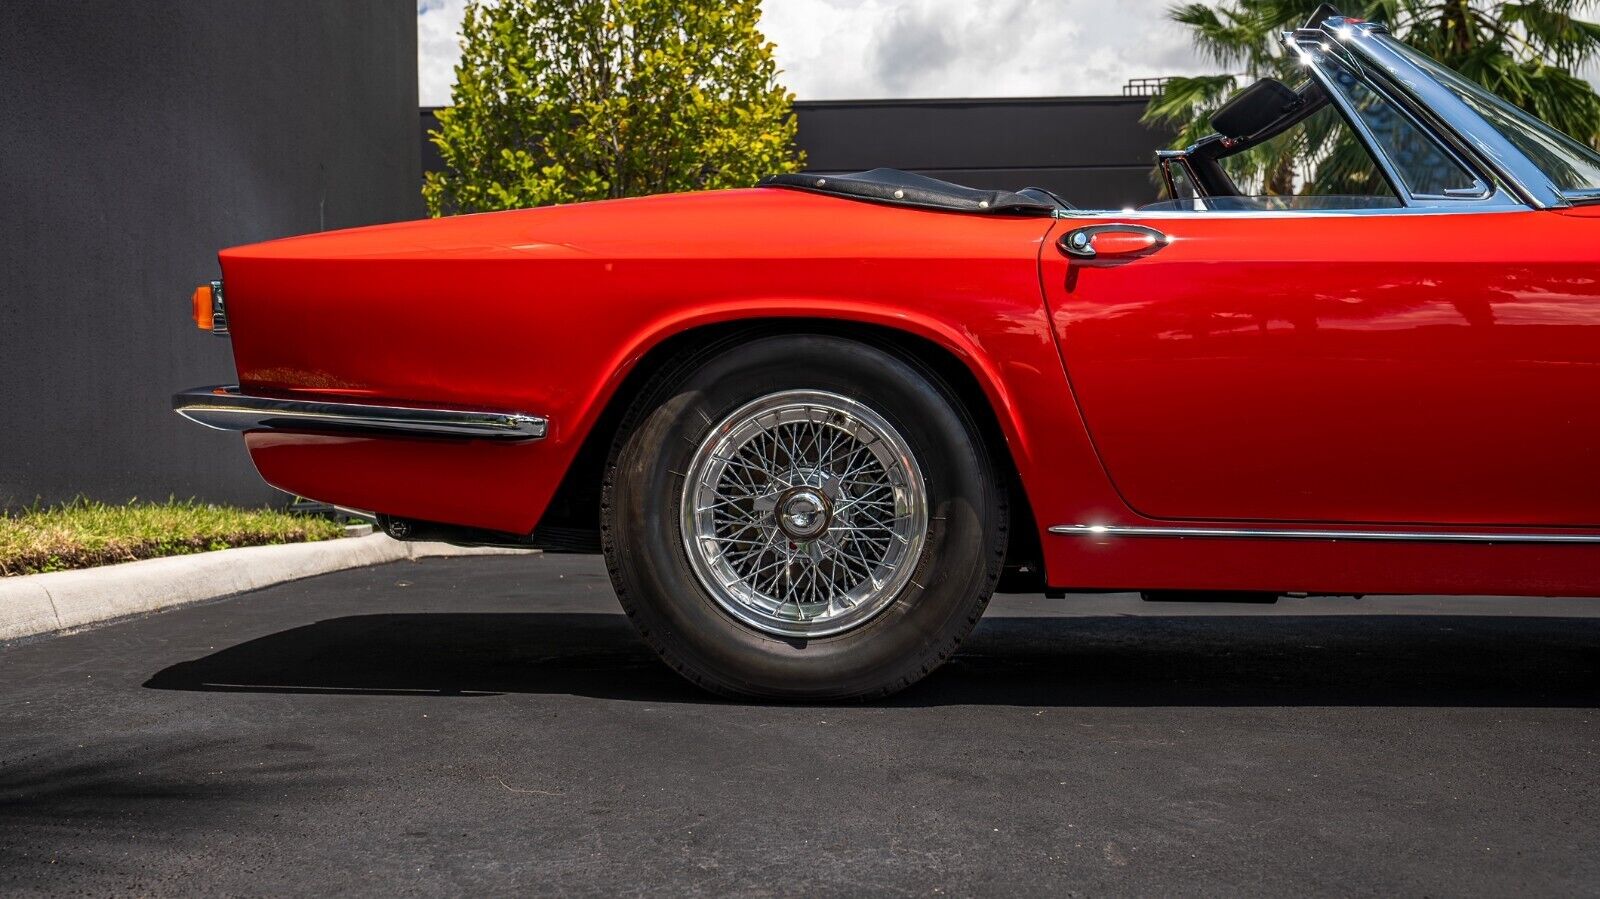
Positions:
{"x": 804, "y": 513}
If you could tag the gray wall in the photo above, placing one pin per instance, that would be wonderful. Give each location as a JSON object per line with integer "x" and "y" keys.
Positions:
{"x": 1090, "y": 150}
{"x": 139, "y": 139}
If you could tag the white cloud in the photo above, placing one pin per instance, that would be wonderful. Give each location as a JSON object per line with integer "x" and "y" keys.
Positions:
{"x": 854, "y": 49}
{"x": 865, "y": 49}
{"x": 438, "y": 49}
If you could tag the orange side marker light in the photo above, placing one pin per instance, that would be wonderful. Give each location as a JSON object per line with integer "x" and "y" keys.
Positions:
{"x": 202, "y": 307}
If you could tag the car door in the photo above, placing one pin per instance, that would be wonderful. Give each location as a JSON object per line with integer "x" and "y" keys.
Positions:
{"x": 1397, "y": 367}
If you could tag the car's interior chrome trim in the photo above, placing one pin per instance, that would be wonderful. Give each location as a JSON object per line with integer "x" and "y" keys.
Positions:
{"x": 1117, "y": 530}
{"x": 225, "y": 408}
{"x": 1165, "y": 159}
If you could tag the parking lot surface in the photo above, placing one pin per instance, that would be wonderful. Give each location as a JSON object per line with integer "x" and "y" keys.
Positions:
{"x": 492, "y": 724}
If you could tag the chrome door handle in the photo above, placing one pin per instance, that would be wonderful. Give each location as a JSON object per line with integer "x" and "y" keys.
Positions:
{"x": 1081, "y": 242}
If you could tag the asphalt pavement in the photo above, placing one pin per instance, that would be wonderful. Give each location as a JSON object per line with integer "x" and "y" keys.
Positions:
{"x": 492, "y": 725}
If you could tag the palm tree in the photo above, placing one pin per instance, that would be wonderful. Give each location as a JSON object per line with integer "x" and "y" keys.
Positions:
{"x": 1524, "y": 52}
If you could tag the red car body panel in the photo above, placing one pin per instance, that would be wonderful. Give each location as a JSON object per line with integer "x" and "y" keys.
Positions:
{"x": 547, "y": 310}
{"x": 1248, "y": 372}
{"x": 1369, "y": 369}
{"x": 1322, "y": 567}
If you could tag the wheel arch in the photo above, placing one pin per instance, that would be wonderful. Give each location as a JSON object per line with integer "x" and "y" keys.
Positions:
{"x": 571, "y": 520}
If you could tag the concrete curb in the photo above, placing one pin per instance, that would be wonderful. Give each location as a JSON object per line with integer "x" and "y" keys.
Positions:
{"x": 40, "y": 603}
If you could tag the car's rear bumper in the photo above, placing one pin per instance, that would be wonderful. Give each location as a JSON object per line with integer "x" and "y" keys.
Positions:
{"x": 226, "y": 408}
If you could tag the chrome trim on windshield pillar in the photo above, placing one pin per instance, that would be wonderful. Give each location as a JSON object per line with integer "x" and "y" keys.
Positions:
{"x": 1116, "y": 530}
{"x": 1318, "y": 54}
{"x": 225, "y": 408}
{"x": 1507, "y": 162}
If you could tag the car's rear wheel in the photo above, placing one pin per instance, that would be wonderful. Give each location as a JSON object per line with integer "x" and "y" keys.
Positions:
{"x": 803, "y": 517}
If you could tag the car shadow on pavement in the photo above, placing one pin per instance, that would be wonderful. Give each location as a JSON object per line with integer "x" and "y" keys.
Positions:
{"x": 1210, "y": 660}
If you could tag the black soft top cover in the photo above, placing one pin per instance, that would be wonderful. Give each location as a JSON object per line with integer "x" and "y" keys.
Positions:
{"x": 907, "y": 189}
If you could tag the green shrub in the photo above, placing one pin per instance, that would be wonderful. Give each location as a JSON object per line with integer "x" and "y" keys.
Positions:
{"x": 557, "y": 101}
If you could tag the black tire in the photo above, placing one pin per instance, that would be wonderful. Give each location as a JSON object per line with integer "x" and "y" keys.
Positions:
{"x": 959, "y": 565}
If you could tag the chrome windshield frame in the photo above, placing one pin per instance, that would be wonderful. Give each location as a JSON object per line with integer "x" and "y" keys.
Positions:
{"x": 1509, "y": 165}
{"x": 1320, "y": 56}
{"x": 1456, "y": 129}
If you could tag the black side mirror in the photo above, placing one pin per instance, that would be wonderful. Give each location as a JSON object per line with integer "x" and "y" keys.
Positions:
{"x": 1254, "y": 108}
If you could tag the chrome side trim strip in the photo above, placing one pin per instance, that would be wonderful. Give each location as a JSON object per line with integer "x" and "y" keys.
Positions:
{"x": 225, "y": 408}
{"x": 1115, "y": 530}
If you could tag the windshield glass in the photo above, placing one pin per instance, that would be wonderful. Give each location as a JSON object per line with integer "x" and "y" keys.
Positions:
{"x": 1420, "y": 163}
{"x": 1572, "y": 167}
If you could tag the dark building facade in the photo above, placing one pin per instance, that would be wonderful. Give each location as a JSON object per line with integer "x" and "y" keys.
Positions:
{"x": 1093, "y": 151}
{"x": 142, "y": 138}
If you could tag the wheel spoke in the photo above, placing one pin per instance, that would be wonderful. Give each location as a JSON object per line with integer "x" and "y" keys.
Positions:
{"x": 802, "y": 519}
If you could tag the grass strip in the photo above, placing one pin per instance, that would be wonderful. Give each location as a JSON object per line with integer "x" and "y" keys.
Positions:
{"x": 83, "y": 534}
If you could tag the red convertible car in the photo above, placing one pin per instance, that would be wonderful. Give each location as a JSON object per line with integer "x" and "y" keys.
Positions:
{"x": 815, "y": 424}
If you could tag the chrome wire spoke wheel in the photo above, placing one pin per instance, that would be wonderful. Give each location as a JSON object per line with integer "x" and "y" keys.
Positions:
{"x": 804, "y": 513}
{"x": 800, "y": 558}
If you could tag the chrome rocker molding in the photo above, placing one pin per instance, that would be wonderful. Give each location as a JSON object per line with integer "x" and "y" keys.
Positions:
{"x": 1114, "y": 530}
{"x": 226, "y": 409}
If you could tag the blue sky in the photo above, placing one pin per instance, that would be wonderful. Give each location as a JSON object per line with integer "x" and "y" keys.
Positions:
{"x": 849, "y": 49}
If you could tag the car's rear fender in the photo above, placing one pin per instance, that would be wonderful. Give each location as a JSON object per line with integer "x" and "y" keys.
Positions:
{"x": 571, "y": 518}
{"x": 556, "y": 330}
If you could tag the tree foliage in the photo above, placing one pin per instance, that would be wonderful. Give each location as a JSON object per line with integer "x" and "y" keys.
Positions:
{"x": 1524, "y": 52}
{"x": 558, "y": 101}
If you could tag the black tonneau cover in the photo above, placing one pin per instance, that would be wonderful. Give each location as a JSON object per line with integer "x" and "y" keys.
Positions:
{"x": 907, "y": 189}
